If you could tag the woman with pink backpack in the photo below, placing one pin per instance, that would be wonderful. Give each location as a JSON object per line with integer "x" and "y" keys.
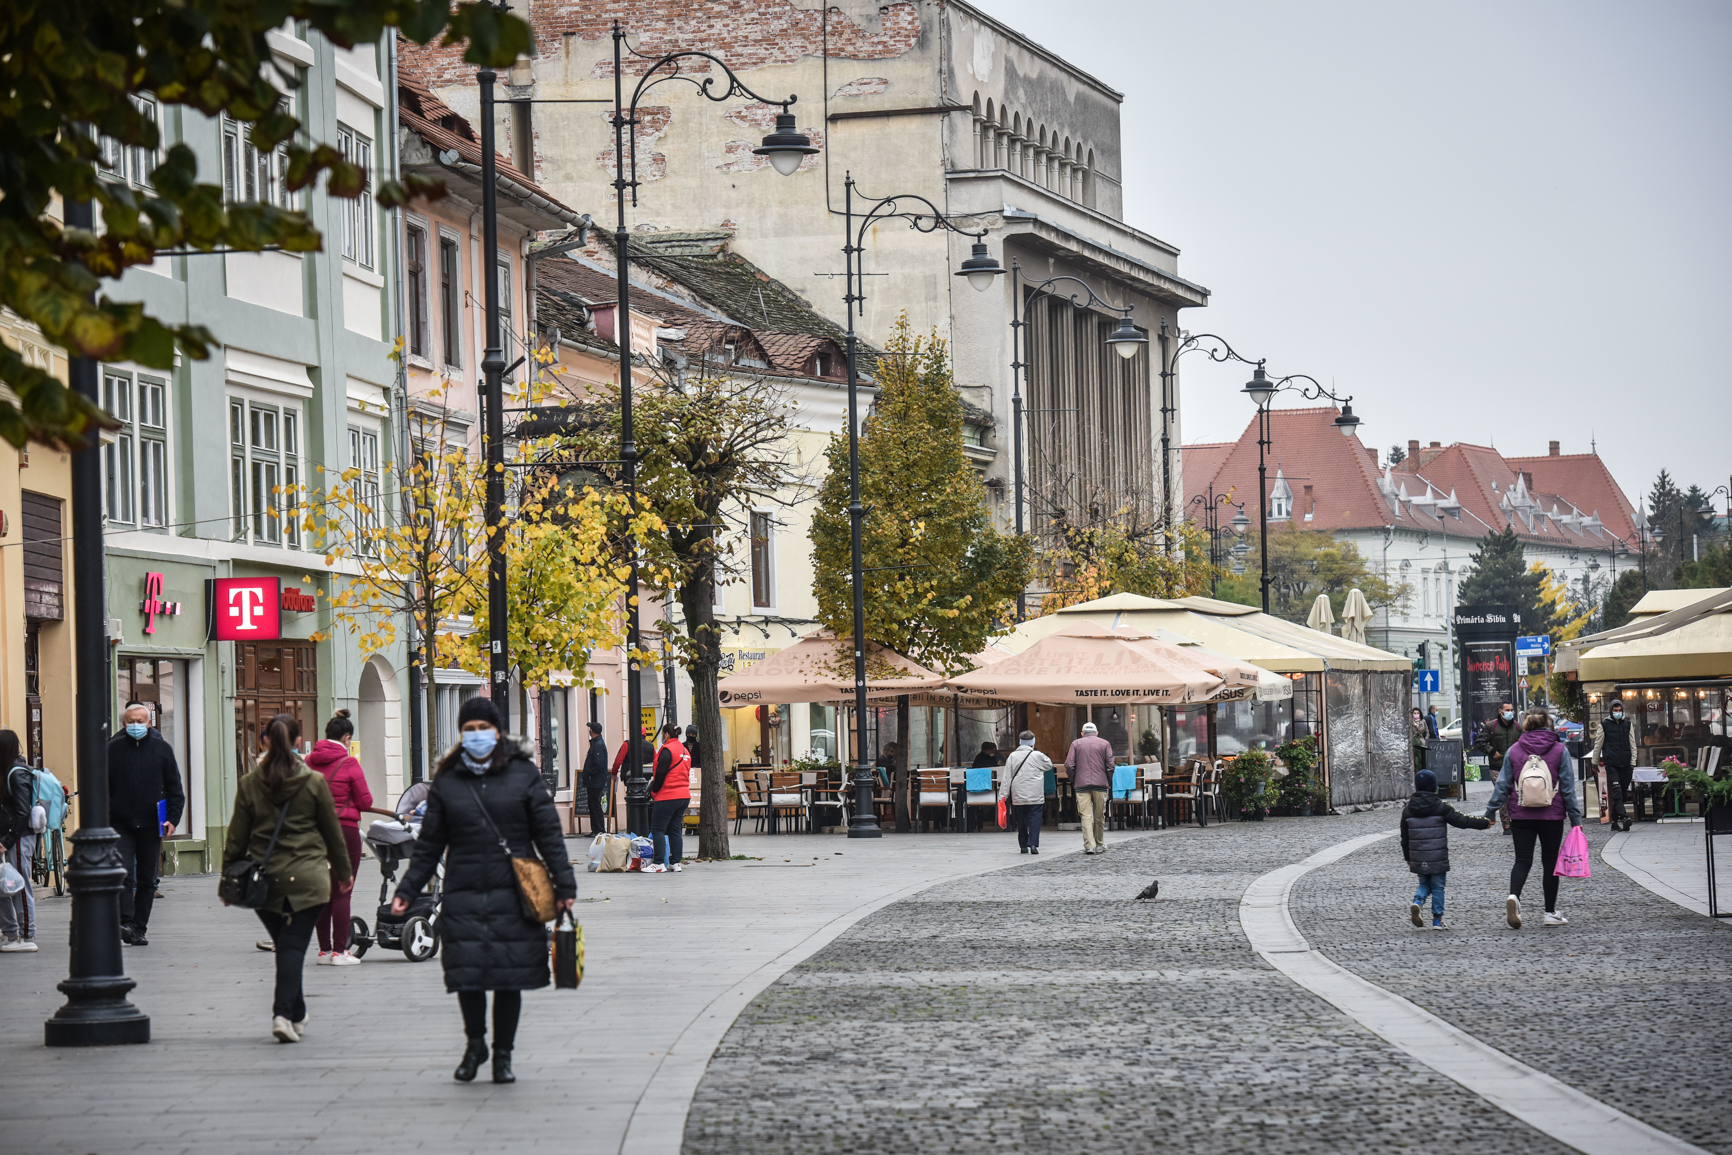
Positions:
{"x": 1539, "y": 783}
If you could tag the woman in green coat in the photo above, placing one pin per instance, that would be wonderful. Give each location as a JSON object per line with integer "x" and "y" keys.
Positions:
{"x": 309, "y": 847}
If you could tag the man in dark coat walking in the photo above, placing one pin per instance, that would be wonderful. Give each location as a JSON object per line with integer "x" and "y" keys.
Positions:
{"x": 596, "y": 779}
{"x": 142, "y": 772}
{"x": 1495, "y": 739}
{"x": 1612, "y": 750}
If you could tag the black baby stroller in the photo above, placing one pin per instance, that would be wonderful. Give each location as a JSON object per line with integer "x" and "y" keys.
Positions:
{"x": 416, "y": 933}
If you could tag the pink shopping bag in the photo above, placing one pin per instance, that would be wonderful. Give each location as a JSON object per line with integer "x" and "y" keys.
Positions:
{"x": 1573, "y": 857}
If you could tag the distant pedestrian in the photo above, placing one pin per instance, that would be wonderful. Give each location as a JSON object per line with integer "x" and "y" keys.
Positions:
{"x": 1495, "y": 739}
{"x": 348, "y": 783}
{"x": 692, "y": 747}
{"x": 1023, "y": 786}
{"x": 1612, "y": 751}
{"x": 988, "y": 756}
{"x": 1090, "y": 763}
{"x": 142, "y": 772}
{"x": 670, "y": 798}
{"x": 1431, "y": 723}
{"x": 18, "y": 845}
{"x": 1417, "y": 735}
{"x": 597, "y": 779}
{"x": 487, "y": 791}
{"x": 284, "y": 800}
{"x": 1538, "y": 783}
{"x": 1425, "y": 827}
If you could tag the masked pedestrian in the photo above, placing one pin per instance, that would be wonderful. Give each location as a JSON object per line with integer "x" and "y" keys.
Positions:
{"x": 1613, "y": 752}
{"x": 1495, "y": 739}
{"x": 348, "y": 783}
{"x": 145, "y": 801}
{"x": 1540, "y": 796}
{"x": 485, "y": 792}
{"x": 284, "y": 817}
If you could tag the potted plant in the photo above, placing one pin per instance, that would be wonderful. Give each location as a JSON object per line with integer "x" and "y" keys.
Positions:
{"x": 1245, "y": 785}
{"x": 1293, "y": 793}
{"x": 1715, "y": 793}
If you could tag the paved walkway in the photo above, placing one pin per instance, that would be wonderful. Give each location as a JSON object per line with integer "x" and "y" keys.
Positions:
{"x": 1671, "y": 859}
{"x": 608, "y": 1068}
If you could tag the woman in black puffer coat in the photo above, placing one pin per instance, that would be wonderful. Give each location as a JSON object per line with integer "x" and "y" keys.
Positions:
{"x": 486, "y": 942}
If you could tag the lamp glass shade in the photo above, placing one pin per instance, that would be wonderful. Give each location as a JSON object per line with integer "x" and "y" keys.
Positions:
{"x": 1125, "y": 340}
{"x": 980, "y": 268}
{"x": 1259, "y": 388}
{"x": 1240, "y": 522}
{"x": 1347, "y": 423}
{"x": 785, "y": 147}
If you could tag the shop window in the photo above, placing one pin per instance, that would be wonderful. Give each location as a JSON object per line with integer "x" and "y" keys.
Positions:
{"x": 357, "y": 212}
{"x": 264, "y": 472}
{"x": 135, "y": 457}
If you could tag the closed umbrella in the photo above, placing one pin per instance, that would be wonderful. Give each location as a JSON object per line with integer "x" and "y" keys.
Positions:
{"x": 1322, "y": 616}
{"x": 1355, "y": 616}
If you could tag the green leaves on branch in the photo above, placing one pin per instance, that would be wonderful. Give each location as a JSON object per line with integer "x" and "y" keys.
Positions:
{"x": 73, "y": 72}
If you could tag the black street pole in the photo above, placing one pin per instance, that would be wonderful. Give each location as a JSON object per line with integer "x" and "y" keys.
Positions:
{"x": 1016, "y": 367}
{"x": 97, "y": 1012}
{"x": 493, "y": 368}
{"x": 1167, "y": 408}
{"x": 1263, "y": 500}
{"x": 864, "y": 824}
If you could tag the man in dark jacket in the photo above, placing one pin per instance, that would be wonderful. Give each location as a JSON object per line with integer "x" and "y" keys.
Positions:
{"x": 141, "y": 773}
{"x": 1425, "y": 827}
{"x": 596, "y": 779}
{"x": 1612, "y": 750}
{"x": 1495, "y": 739}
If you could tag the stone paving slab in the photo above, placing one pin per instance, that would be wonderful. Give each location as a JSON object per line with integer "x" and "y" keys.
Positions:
{"x": 1627, "y": 1003}
{"x": 666, "y": 953}
{"x": 1043, "y": 1009}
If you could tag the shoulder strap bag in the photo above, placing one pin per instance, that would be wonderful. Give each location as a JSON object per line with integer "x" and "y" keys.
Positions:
{"x": 534, "y": 883}
{"x": 243, "y": 881}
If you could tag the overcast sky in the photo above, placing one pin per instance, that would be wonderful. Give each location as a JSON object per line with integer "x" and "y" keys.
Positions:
{"x": 1488, "y": 222}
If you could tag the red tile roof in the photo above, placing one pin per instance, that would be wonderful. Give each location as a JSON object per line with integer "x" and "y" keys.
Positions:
{"x": 443, "y": 127}
{"x": 1306, "y": 449}
{"x": 1587, "y": 482}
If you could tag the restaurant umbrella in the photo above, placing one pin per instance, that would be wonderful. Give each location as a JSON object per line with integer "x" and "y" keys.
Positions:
{"x": 820, "y": 668}
{"x": 1322, "y": 616}
{"x": 1088, "y": 663}
{"x": 1355, "y": 616}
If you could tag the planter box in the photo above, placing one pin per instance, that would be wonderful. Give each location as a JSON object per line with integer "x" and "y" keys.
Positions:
{"x": 1720, "y": 819}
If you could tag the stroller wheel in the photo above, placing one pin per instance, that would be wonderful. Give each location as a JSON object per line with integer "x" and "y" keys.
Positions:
{"x": 420, "y": 942}
{"x": 359, "y": 939}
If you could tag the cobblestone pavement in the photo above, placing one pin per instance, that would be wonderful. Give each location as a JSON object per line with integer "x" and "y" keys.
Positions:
{"x": 1043, "y": 1009}
{"x": 1627, "y": 1003}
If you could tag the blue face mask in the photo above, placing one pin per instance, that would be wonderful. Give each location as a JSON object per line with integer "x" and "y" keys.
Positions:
{"x": 136, "y": 730}
{"x": 1508, "y": 716}
{"x": 479, "y": 744}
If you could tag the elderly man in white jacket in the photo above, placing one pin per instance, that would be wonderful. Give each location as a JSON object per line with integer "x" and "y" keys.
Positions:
{"x": 1023, "y": 786}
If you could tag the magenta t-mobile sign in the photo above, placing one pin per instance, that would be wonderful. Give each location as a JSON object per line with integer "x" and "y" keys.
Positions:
{"x": 245, "y": 609}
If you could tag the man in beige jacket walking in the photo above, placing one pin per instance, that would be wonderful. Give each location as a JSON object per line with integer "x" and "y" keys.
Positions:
{"x": 1090, "y": 763}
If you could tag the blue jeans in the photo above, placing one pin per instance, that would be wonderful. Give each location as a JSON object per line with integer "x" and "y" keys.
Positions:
{"x": 1431, "y": 884}
{"x": 667, "y": 829}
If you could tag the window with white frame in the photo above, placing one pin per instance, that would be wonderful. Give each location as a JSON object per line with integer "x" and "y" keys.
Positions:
{"x": 251, "y": 176}
{"x": 132, "y": 164}
{"x": 365, "y": 489}
{"x": 357, "y": 211}
{"x": 451, "y": 301}
{"x": 135, "y": 457}
{"x": 264, "y": 471}
{"x": 763, "y": 560}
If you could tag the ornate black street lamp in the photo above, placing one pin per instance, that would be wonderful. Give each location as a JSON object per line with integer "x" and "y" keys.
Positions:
{"x": 979, "y": 270}
{"x": 1125, "y": 340}
{"x": 1212, "y": 503}
{"x": 1175, "y": 343}
{"x": 1261, "y": 390}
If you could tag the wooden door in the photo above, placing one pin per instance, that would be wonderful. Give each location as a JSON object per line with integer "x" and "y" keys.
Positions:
{"x": 274, "y": 678}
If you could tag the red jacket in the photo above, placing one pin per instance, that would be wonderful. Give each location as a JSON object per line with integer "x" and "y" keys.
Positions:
{"x": 673, "y": 779}
{"x": 348, "y": 784}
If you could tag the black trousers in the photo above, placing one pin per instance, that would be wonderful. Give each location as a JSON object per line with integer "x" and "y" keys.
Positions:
{"x": 1026, "y": 819}
{"x": 289, "y": 934}
{"x": 141, "y": 854}
{"x": 597, "y": 815}
{"x": 1550, "y": 834}
{"x": 1618, "y": 786}
{"x": 507, "y": 1009}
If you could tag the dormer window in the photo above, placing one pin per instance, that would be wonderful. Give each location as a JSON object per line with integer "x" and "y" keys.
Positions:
{"x": 821, "y": 365}
{"x": 1281, "y": 499}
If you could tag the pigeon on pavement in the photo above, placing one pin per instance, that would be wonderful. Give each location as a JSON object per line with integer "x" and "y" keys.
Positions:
{"x": 1151, "y": 890}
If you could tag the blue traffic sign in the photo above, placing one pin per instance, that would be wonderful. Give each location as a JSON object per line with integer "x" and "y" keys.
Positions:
{"x": 1534, "y": 646}
{"x": 1428, "y": 681}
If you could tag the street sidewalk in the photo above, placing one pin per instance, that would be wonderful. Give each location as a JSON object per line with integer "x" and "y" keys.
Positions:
{"x": 1671, "y": 860}
{"x": 611, "y": 1067}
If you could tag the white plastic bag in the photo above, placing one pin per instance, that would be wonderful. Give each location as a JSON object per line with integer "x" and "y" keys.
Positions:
{"x": 597, "y": 847}
{"x": 11, "y": 882}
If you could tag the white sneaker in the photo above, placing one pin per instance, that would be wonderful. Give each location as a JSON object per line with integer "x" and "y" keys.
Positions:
{"x": 301, "y": 1026}
{"x": 342, "y": 958}
{"x": 1512, "y": 912}
{"x": 676, "y": 868}
{"x": 13, "y": 945}
{"x": 324, "y": 958}
{"x": 284, "y": 1030}
{"x": 655, "y": 868}
{"x": 1553, "y": 918}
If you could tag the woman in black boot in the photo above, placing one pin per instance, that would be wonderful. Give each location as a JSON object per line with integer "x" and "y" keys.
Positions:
{"x": 486, "y": 942}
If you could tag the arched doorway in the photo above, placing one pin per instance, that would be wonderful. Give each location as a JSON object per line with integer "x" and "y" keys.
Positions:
{"x": 379, "y": 729}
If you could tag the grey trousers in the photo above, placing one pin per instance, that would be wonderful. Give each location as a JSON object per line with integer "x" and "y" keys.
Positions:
{"x": 18, "y": 911}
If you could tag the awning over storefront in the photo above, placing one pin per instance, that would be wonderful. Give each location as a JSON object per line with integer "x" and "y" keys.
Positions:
{"x": 1694, "y": 641}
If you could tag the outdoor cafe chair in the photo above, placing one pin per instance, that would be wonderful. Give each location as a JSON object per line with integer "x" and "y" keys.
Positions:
{"x": 1138, "y": 801}
{"x": 787, "y": 793}
{"x": 827, "y": 795}
{"x": 751, "y": 801}
{"x": 972, "y": 799}
{"x": 1212, "y": 789}
{"x": 932, "y": 791}
{"x": 1189, "y": 790}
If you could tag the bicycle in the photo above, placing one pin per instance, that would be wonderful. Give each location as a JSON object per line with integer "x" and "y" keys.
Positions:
{"x": 48, "y": 864}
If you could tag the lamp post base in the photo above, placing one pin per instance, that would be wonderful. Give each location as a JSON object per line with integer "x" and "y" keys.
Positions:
{"x": 97, "y": 1012}
{"x": 96, "y": 1022}
{"x": 864, "y": 824}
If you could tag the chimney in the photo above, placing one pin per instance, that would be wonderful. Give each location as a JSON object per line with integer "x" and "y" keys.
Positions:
{"x": 1552, "y": 448}
{"x": 1437, "y": 445}
{"x": 1412, "y": 448}
{"x": 1528, "y": 480}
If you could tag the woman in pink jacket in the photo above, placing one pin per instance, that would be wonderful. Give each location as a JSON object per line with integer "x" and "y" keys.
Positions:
{"x": 349, "y": 791}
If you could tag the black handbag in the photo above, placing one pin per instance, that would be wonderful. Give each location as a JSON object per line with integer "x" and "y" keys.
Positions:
{"x": 568, "y": 952}
{"x": 243, "y": 881}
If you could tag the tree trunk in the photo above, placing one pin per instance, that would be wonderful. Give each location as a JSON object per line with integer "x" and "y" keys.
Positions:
{"x": 697, "y": 602}
{"x": 900, "y": 776}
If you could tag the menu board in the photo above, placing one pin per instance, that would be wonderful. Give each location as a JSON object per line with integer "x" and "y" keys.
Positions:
{"x": 1488, "y": 683}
